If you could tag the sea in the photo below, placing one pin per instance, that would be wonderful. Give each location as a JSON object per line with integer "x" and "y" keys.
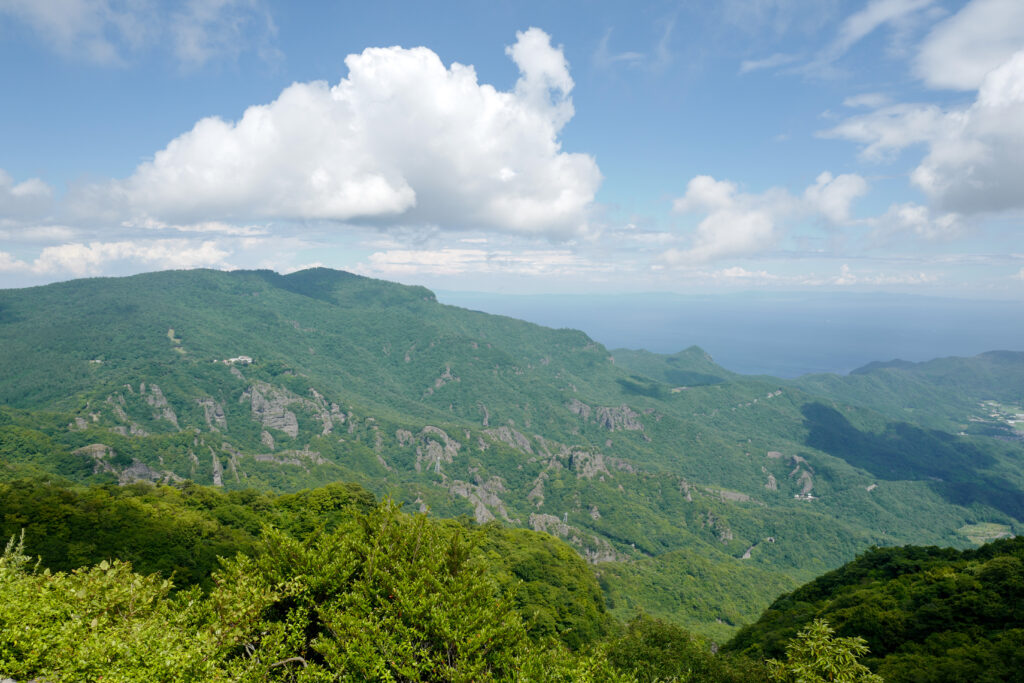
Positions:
{"x": 785, "y": 334}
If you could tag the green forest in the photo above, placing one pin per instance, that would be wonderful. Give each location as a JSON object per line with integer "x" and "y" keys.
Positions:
{"x": 326, "y": 584}
{"x": 189, "y": 583}
{"x": 320, "y": 476}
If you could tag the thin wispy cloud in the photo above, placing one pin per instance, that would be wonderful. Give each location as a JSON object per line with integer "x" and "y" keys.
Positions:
{"x": 117, "y": 32}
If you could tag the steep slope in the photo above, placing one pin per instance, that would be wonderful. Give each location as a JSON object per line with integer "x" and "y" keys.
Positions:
{"x": 649, "y": 465}
{"x": 933, "y": 614}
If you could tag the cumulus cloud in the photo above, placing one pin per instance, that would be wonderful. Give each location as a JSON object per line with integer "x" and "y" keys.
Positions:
{"x": 736, "y": 223}
{"x": 913, "y": 218}
{"x": 975, "y": 159}
{"x": 739, "y": 224}
{"x": 28, "y": 199}
{"x": 960, "y": 51}
{"x": 832, "y": 196}
{"x": 890, "y": 129}
{"x": 980, "y": 166}
{"x": 80, "y": 259}
{"x": 402, "y": 140}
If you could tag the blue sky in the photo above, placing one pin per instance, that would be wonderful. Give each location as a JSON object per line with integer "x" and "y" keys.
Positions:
{"x": 571, "y": 147}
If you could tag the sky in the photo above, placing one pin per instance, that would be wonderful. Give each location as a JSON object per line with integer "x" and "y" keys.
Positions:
{"x": 572, "y": 147}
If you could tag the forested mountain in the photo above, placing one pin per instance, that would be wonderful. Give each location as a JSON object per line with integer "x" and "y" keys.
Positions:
{"x": 927, "y": 614}
{"x": 697, "y": 494}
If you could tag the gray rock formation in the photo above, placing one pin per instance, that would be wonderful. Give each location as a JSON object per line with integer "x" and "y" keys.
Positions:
{"x": 213, "y": 412}
{"x": 270, "y": 407}
{"x": 586, "y": 465}
{"x": 100, "y": 454}
{"x": 511, "y": 437}
{"x": 140, "y": 471}
{"x": 618, "y": 418}
{"x": 431, "y": 453}
{"x": 158, "y": 402}
{"x": 577, "y": 407}
{"x": 484, "y": 497}
{"x": 612, "y": 418}
{"x": 218, "y": 471}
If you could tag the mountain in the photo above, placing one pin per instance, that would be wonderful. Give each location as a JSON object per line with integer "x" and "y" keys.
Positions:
{"x": 927, "y": 614}
{"x": 698, "y": 494}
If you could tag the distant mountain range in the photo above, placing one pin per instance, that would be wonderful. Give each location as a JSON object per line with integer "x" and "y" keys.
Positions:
{"x": 698, "y": 494}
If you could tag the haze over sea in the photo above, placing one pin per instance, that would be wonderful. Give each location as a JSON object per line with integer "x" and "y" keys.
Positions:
{"x": 779, "y": 334}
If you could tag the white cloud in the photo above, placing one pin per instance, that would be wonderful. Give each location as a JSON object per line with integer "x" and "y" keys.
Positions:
{"x": 975, "y": 159}
{"x": 455, "y": 261}
{"x": 875, "y": 14}
{"x": 1019, "y": 275}
{"x": 980, "y": 166}
{"x": 401, "y": 140}
{"x": 38, "y": 233}
{"x": 776, "y": 60}
{"x": 918, "y": 220}
{"x": 28, "y": 199}
{"x": 96, "y": 30}
{"x": 871, "y": 100}
{"x": 739, "y": 224}
{"x": 847, "y": 278}
{"x": 202, "y": 30}
{"x": 217, "y": 227}
{"x": 79, "y": 259}
{"x": 704, "y": 193}
{"x": 603, "y": 57}
{"x": 832, "y": 196}
{"x": 107, "y": 32}
{"x": 962, "y": 50}
{"x": 736, "y": 223}
{"x": 891, "y": 129}
{"x": 738, "y": 273}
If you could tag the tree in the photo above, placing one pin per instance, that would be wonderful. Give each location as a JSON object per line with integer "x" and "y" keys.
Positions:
{"x": 817, "y": 656}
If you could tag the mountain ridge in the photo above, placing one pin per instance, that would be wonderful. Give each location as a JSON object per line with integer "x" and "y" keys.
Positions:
{"x": 354, "y": 379}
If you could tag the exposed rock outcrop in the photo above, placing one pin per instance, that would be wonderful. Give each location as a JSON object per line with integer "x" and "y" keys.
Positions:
{"x": 431, "y": 453}
{"x": 100, "y": 454}
{"x": 587, "y": 465}
{"x": 484, "y": 497}
{"x": 594, "y": 549}
{"x": 443, "y": 379}
{"x": 218, "y": 471}
{"x": 536, "y": 494}
{"x": 158, "y": 402}
{"x": 510, "y": 437}
{"x": 213, "y": 412}
{"x": 577, "y": 407}
{"x": 618, "y": 418}
{"x": 302, "y": 458}
{"x": 719, "y": 527}
{"x": 140, "y": 471}
{"x": 612, "y": 418}
{"x": 270, "y": 407}
{"x": 329, "y": 414}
